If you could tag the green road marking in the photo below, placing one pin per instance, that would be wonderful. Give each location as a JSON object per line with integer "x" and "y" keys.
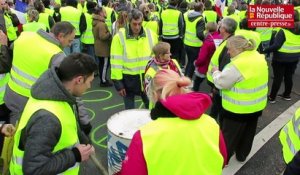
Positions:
{"x": 91, "y": 111}
{"x": 117, "y": 105}
{"x": 99, "y": 142}
{"x": 98, "y": 100}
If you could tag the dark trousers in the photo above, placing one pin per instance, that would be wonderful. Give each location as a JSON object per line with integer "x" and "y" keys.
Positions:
{"x": 4, "y": 117}
{"x": 192, "y": 54}
{"x": 197, "y": 82}
{"x": 216, "y": 105}
{"x": 282, "y": 71}
{"x": 129, "y": 100}
{"x": 239, "y": 131}
{"x": 176, "y": 48}
{"x": 104, "y": 63}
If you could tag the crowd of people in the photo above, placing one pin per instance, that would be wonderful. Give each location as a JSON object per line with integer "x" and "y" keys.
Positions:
{"x": 161, "y": 51}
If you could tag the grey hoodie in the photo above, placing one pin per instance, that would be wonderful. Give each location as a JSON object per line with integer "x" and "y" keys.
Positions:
{"x": 200, "y": 26}
{"x": 43, "y": 131}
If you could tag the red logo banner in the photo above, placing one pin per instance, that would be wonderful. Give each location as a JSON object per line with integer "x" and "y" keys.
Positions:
{"x": 271, "y": 16}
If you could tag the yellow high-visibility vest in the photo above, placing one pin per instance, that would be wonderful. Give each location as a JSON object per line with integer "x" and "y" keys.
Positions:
{"x": 250, "y": 94}
{"x": 68, "y": 138}
{"x": 290, "y": 137}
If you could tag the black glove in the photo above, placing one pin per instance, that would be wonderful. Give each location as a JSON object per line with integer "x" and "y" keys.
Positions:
{"x": 86, "y": 128}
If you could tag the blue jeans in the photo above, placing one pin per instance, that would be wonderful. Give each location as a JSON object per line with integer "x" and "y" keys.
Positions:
{"x": 130, "y": 103}
{"x": 89, "y": 49}
{"x": 74, "y": 48}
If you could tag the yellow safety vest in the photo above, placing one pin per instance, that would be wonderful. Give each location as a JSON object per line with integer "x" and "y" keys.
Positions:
{"x": 71, "y": 15}
{"x": 291, "y": 43}
{"x": 11, "y": 32}
{"x": 290, "y": 137}
{"x": 58, "y": 2}
{"x": 265, "y": 33}
{"x": 176, "y": 146}
{"x": 82, "y": 9}
{"x": 49, "y": 11}
{"x": 108, "y": 20}
{"x": 190, "y": 35}
{"x": 249, "y": 34}
{"x": 214, "y": 62}
{"x": 236, "y": 18}
{"x": 44, "y": 18}
{"x": 68, "y": 138}
{"x": 88, "y": 37}
{"x": 22, "y": 73}
{"x": 3, "y": 81}
{"x": 242, "y": 14}
{"x": 210, "y": 16}
{"x": 170, "y": 19}
{"x": 250, "y": 94}
{"x": 34, "y": 26}
{"x": 152, "y": 25}
{"x": 130, "y": 56}
{"x": 151, "y": 72}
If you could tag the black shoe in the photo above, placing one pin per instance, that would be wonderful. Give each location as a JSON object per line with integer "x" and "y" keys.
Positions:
{"x": 286, "y": 98}
{"x": 106, "y": 84}
{"x": 271, "y": 100}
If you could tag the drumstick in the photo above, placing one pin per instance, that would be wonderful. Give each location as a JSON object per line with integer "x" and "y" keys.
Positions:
{"x": 98, "y": 164}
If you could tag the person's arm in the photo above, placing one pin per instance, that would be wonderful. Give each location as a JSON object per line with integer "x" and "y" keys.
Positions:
{"x": 84, "y": 119}
{"x": 135, "y": 162}
{"x": 104, "y": 33}
{"x": 5, "y": 57}
{"x": 82, "y": 24}
{"x": 277, "y": 42}
{"x": 227, "y": 78}
{"x": 200, "y": 28}
{"x": 42, "y": 134}
{"x": 51, "y": 22}
{"x": 181, "y": 26}
{"x": 57, "y": 15}
{"x": 293, "y": 168}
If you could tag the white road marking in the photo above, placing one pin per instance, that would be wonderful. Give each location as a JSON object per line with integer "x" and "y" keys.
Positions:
{"x": 262, "y": 137}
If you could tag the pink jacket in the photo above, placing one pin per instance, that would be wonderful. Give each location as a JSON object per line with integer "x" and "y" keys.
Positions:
{"x": 206, "y": 52}
{"x": 135, "y": 163}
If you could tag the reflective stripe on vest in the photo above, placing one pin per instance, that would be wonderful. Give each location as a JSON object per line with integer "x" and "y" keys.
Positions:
{"x": 87, "y": 37}
{"x": 72, "y": 15}
{"x": 25, "y": 72}
{"x": 171, "y": 130}
{"x": 11, "y": 32}
{"x": 190, "y": 35}
{"x": 170, "y": 19}
{"x": 214, "y": 62}
{"x": 290, "y": 137}
{"x": 250, "y": 94}
{"x": 130, "y": 56}
{"x": 44, "y": 19}
{"x": 67, "y": 140}
{"x": 291, "y": 43}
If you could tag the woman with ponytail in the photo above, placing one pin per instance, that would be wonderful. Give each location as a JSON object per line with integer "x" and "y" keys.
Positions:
{"x": 244, "y": 87}
{"x": 181, "y": 139}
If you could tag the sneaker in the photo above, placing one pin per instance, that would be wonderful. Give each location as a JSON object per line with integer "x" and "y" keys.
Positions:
{"x": 286, "y": 98}
{"x": 271, "y": 100}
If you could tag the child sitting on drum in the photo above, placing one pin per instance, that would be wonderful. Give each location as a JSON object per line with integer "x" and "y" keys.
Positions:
{"x": 181, "y": 139}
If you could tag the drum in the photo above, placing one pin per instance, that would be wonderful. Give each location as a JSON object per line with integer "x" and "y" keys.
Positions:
{"x": 121, "y": 128}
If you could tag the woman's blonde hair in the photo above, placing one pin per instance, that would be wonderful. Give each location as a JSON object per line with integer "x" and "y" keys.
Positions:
{"x": 167, "y": 83}
{"x": 239, "y": 42}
